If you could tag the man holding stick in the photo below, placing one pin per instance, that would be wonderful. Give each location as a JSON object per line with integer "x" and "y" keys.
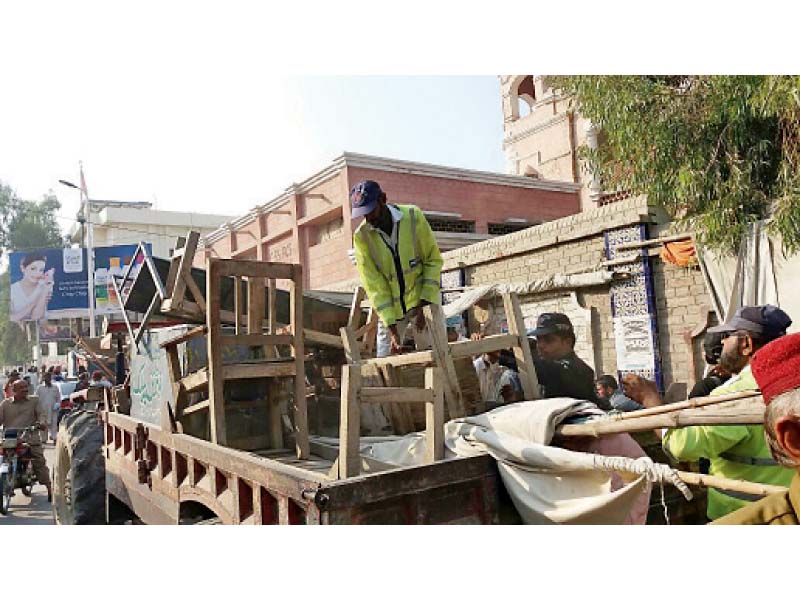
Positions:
{"x": 734, "y": 451}
{"x": 776, "y": 369}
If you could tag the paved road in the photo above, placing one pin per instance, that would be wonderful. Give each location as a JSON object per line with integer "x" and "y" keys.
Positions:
{"x": 34, "y": 510}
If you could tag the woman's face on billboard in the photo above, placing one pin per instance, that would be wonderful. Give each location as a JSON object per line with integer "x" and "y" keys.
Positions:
{"x": 34, "y": 272}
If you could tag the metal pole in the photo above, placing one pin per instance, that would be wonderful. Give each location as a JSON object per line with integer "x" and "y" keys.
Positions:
{"x": 90, "y": 264}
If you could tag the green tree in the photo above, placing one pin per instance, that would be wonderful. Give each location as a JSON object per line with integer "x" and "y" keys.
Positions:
{"x": 716, "y": 152}
{"x": 24, "y": 225}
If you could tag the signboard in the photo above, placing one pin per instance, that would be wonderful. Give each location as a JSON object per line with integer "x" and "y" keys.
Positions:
{"x": 634, "y": 343}
{"x": 52, "y": 284}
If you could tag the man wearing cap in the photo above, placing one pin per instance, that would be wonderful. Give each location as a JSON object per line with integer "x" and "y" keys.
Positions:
{"x": 776, "y": 369}
{"x": 398, "y": 261}
{"x": 559, "y": 370}
{"x": 734, "y": 451}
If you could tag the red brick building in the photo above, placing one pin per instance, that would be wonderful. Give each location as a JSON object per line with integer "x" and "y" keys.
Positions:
{"x": 310, "y": 222}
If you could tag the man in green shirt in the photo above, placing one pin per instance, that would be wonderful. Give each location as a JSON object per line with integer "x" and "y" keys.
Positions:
{"x": 734, "y": 451}
{"x": 776, "y": 369}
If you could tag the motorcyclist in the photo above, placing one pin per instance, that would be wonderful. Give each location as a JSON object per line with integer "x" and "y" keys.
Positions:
{"x": 19, "y": 412}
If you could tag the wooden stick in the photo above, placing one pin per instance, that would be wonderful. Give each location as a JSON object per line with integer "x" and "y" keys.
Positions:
{"x": 732, "y": 485}
{"x": 690, "y": 403}
{"x": 654, "y": 241}
{"x": 749, "y": 415}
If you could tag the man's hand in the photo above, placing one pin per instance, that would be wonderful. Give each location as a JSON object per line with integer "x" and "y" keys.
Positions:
{"x": 41, "y": 427}
{"x": 641, "y": 390}
{"x": 419, "y": 317}
{"x": 396, "y": 342}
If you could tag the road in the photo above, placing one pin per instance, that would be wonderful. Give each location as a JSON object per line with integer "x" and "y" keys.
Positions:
{"x": 34, "y": 510}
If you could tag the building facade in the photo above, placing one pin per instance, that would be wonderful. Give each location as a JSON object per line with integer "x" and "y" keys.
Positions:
{"x": 161, "y": 228}
{"x": 310, "y": 222}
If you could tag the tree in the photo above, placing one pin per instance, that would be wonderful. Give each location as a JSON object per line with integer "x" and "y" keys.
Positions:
{"x": 24, "y": 225}
{"x": 716, "y": 152}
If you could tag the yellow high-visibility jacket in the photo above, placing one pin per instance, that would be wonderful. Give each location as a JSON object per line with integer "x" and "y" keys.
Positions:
{"x": 419, "y": 258}
{"x": 735, "y": 452}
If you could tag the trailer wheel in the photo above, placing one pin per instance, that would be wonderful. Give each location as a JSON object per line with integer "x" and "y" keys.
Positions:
{"x": 79, "y": 494}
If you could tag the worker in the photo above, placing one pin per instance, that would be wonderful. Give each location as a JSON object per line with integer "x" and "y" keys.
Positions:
{"x": 49, "y": 400}
{"x": 734, "y": 451}
{"x": 776, "y": 369}
{"x": 606, "y": 388}
{"x": 559, "y": 370}
{"x": 717, "y": 375}
{"x": 19, "y": 412}
{"x": 399, "y": 264}
{"x": 489, "y": 370}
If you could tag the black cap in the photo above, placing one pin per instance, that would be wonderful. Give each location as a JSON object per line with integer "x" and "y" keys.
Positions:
{"x": 551, "y": 323}
{"x": 768, "y": 321}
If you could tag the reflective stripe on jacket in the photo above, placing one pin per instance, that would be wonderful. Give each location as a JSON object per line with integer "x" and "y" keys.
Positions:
{"x": 735, "y": 452}
{"x": 419, "y": 258}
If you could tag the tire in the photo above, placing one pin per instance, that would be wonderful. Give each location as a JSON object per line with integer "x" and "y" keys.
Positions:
{"x": 79, "y": 485}
{"x": 5, "y": 495}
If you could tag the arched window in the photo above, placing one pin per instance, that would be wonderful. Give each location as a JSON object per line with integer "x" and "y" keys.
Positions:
{"x": 523, "y": 97}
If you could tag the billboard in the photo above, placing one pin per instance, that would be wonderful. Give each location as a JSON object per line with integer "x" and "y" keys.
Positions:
{"x": 52, "y": 284}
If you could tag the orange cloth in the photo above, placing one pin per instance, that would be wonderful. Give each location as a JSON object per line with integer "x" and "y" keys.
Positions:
{"x": 680, "y": 253}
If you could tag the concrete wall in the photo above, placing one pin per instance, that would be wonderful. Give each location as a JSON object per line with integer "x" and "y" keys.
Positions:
{"x": 576, "y": 244}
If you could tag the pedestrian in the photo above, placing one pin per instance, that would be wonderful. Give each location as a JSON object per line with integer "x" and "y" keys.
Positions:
{"x": 607, "y": 389}
{"x": 49, "y": 402}
{"x": 398, "y": 262}
{"x": 560, "y": 372}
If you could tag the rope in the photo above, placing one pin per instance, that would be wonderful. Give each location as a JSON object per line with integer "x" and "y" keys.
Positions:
{"x": 654, "y": 472}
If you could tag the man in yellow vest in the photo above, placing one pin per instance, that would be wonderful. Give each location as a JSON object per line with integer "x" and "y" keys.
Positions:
{"x": 734, "y": 451}
{"x": 398, "y": 261}
{"x": 776, "y": 368}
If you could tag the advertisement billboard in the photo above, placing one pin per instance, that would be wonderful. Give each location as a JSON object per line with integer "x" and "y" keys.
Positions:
{"x": 52, "y": 284}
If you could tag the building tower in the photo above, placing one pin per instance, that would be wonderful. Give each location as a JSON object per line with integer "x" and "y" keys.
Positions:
{"x": 542, "y": 134}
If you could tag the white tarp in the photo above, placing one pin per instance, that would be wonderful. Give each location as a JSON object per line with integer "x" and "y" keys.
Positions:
{"x": 473, "y": 295}
{"x": 609, "y": 483}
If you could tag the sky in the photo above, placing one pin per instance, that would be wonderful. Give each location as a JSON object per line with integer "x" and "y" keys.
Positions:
{"x": 223, "y": 145}
{"x": 219, "y": 106}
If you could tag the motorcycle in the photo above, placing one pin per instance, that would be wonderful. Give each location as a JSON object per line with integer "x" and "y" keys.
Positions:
{"x": 16, "y": 464}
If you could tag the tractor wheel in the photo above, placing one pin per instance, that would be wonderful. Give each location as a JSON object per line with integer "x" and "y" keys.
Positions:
{"x": 79, "y": 485}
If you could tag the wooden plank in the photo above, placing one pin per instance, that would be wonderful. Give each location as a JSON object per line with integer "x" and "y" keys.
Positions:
{"x": 176, "y": 295}
{"x": 256, "y": 305}
{"x": 155, "y": 302}
{"x": 194, "y": 382}
{"x": 369, "y": 339}
{"x": 272, "y": 326}
{"x": 434, "y": 317}
{"x": 174, "y": 368}
{"x": 395, "y": 394}
{"x": 216, "y": 376}
{"x": 204, "y": 405}
{"x": 196, "y": 292}
{"x": 322, "y": 339}
{"x": 522, "y": 349}
{"x": 352, "y": 349}
{"x": 256, "y": 339}
{"x": 275, "y": 395}
{"x": 298, "y": 352}
{"x": 654, "y": 241}
{"x": 354, "y": 318}
{"x": 260, "y": 370}
{"x": 421, "y": 357}
{"x": 491, "y": 343}
{"x": 250, "y": 268}
{"x": 401, "y": 415}
{"x": 434, "y": 416}
{"x": 174, "y": 263}
{"x": 350, "y": 423}
{"x": 752, "y": 414}
{"x": 238, "y": 306}
{"x": 191, "y": 334}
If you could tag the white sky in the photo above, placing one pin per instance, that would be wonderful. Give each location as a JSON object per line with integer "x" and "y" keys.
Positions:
{"x": 198, "y": 106}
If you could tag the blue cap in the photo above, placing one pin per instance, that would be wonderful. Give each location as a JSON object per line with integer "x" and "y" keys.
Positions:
{"x": 767, "y": 320}
{"x": 364, "y": 197}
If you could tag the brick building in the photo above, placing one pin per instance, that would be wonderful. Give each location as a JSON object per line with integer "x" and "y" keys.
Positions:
{"x": 310, "y": 222}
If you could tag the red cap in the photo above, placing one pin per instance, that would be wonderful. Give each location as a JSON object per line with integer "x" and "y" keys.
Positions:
{"x": 776, "y": 366}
